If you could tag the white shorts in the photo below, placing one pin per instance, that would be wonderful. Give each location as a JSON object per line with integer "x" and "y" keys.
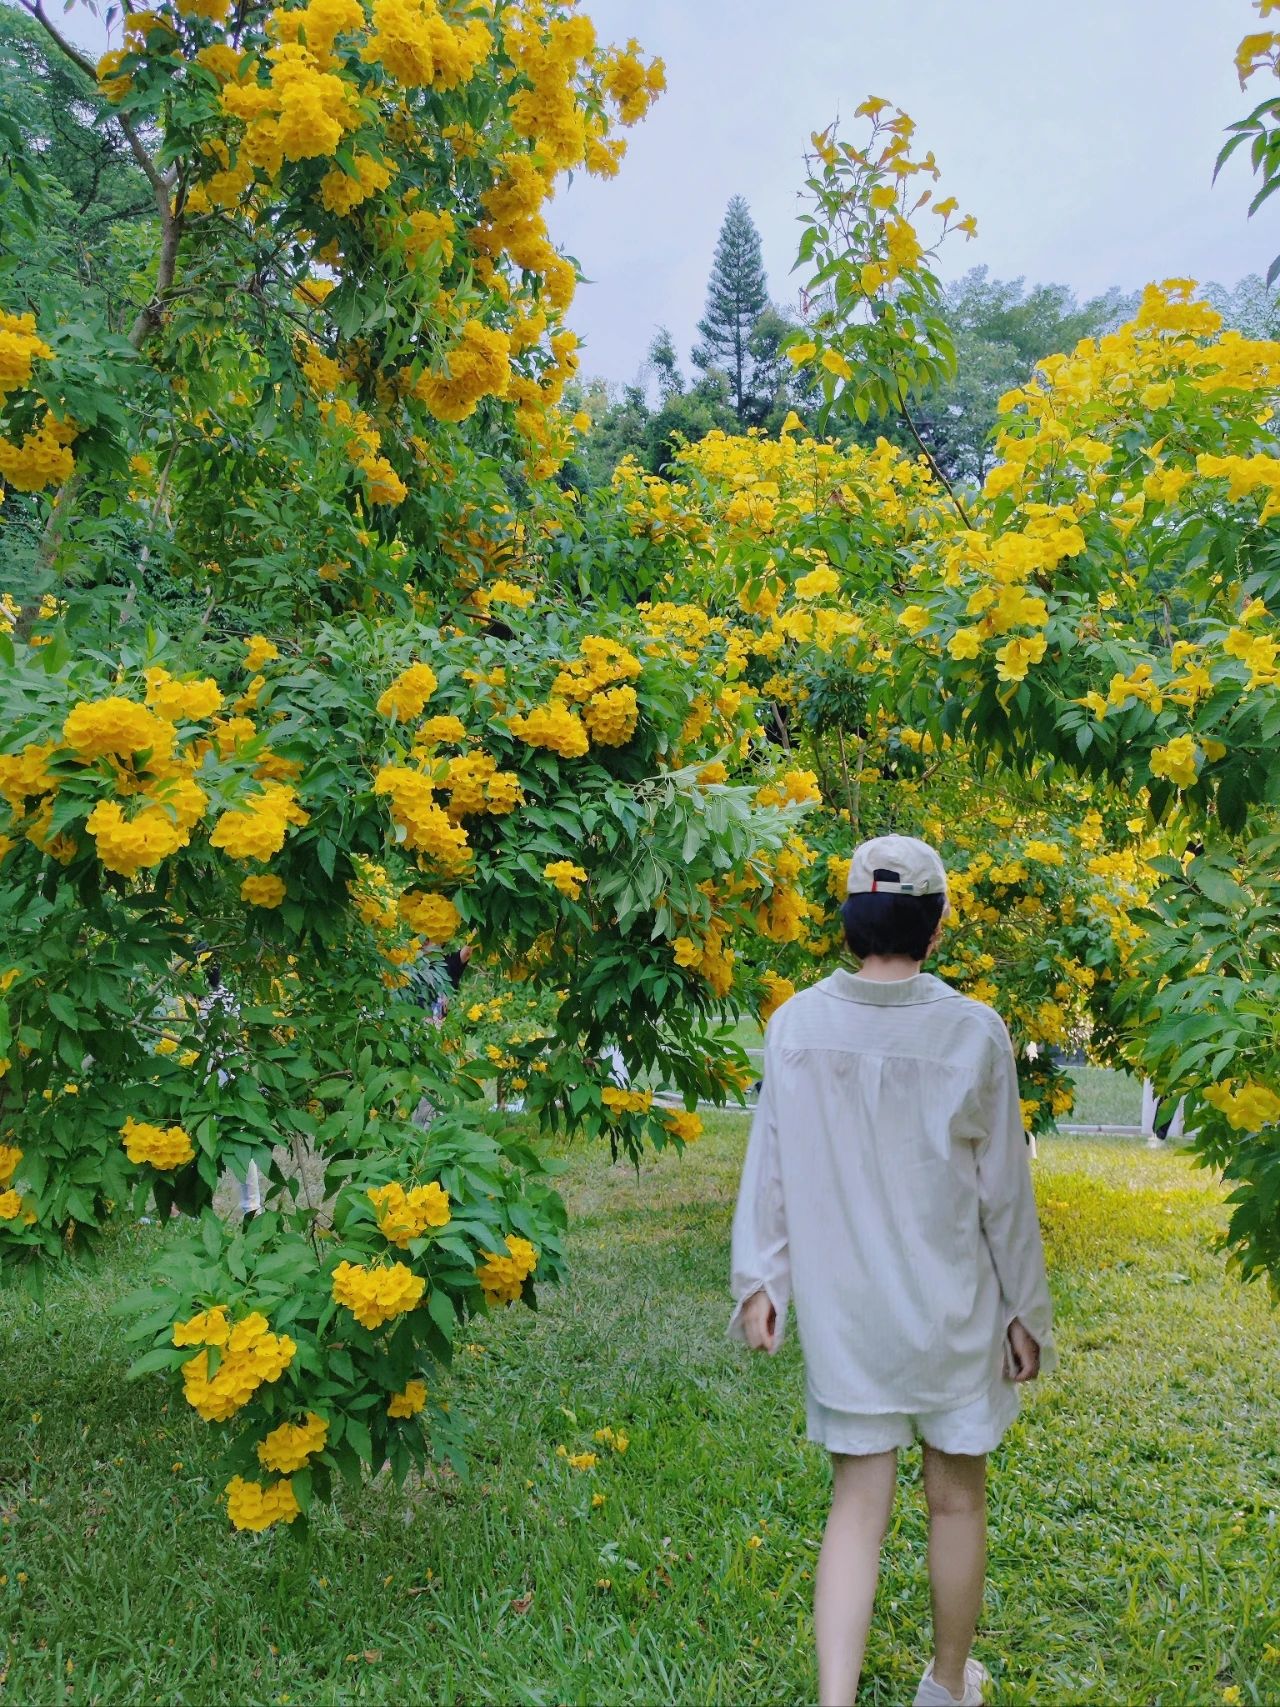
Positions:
{"x": 967, "y": 1432}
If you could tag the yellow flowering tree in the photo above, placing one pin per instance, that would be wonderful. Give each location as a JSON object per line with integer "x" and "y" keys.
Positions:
{"x": 297, "y": 696}
{"x": 1046, "y": 873}
{"x": 1120, "y": 627}
{"x": 1082, "y": 651}
{"x": 877, "y": 334}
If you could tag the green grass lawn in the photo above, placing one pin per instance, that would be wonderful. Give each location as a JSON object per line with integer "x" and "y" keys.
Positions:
{"x": 1135, "y": 1542}
{"x": 1105, "y": 1098}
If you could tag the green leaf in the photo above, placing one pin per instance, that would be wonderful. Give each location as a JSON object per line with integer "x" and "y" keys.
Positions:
{"x": 441, "y": 1310}
{"x": 1224, "y": 890}
{"x": 163, "y": 1357}
{"x": 359, "y": 1437}
{"x": 63, "y": 1010}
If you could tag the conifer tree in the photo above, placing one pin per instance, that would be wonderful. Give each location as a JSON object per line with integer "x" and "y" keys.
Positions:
{"x": 737, "y": 296}
{"x": 665, "y": 364}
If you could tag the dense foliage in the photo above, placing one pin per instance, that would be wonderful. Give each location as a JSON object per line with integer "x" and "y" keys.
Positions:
{"x": 1067, "y": 676}
{"x": 316, "y": 665}
{"x": 297, "y": 684}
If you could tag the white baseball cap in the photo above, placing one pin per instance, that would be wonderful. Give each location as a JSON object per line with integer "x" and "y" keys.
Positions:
{"x": 897, "y": 865}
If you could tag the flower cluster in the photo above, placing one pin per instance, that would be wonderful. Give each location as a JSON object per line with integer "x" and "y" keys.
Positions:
{"x": 478, "y": 365}
{"x": 710, "y": 958}
{"x": 1248, "y": 1109}
{"x": 256, "y": 1506}
{"x": 206, "y": 1327}
{"x": 602, "y": 663}
{"x": 266, "y": 890}
{"x": 409, "y": 1401}
{"x": 250, "y": 1355}
{"x": 418, "y": 49}
{"x": 408, "y": 694}
{"x": 258, "y": 650}
{"x": 552, "y": 726}
{"x": 163, "y": 1147}
{"x": 43, "y": 458}
{"x": 377, "y": 1295}
{"x": 405, "y": 1215}
{"x": 620, "y": 1100}
{"x": 20, "y": 347}
{"x": 817, "y": 584}
{"x": 445, "y": 730}
{"x": 288, "y": 1447}
{"x": 611, "y": 716}
{"x": 1176, "y": 760}
{"x": 299, "y": 113}
{"x": 794, "y": 787}
{"x": 426, "y": 826}
{"x": 506, "y": 592}
{"x": 1257, "y": 652}
{"x": 683, "y": 1124}
{"x": 776, "y": 991}
{"x": 25, "y": 776}
{"x": 476, "y": 785}
{"x": 257, "y": 829}
{"x": 128, "y": 844}
{"x": 564, "y": 875}
{"x": 117, "y": 728}
{"x": 432, "y": 916}
{"x": 502, "y": 1276}
{"x": 341, "y": 190}
{"x": 174, "y": 700}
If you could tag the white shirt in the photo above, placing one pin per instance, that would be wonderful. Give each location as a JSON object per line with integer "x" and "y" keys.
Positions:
{"x": 886, "y": 1187}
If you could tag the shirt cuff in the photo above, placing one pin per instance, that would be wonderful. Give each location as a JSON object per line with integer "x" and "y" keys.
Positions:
{"x": 777, "y": 1297}
{"x": 1041, "y": 1332}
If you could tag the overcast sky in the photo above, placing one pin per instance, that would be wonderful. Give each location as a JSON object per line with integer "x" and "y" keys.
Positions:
{"x": 1082, "y": 136}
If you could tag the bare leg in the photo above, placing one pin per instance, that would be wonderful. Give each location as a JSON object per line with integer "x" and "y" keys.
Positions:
{"x": 848, "y": 1566}
{"x": 956, "y": 1491}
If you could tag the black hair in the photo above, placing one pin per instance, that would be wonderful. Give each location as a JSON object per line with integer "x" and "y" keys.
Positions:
{"x": 891, "y": 923}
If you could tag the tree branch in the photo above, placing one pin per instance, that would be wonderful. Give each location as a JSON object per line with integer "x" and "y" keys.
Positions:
{"x": 161, "y": 183}
{"x": 149, "y": 314}
{"x": 159, "y": 516}
{"x": 852, "y": 792}
{"x": 35, "y": 9}
{"x": 931, "y": 459}
{"x": 169, "y": 209}
{"x": 780, "y": 723}
{"x": 115, "y": 213}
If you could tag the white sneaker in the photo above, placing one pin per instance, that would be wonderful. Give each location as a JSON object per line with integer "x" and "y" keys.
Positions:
{"x": 932, "y": 1694}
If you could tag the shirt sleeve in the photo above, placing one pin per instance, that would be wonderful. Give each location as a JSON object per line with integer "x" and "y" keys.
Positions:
{"x": 1008, "y": 1206}
{"x": 760, "y": 1258}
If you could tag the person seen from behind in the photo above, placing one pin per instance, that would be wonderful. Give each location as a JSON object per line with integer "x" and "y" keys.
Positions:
{"x": 886, "y": 1189}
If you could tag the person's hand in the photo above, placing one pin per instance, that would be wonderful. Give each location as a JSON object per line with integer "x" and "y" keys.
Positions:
{"x": 760, "y": 1322}
{"x": 1024, "y": 1353}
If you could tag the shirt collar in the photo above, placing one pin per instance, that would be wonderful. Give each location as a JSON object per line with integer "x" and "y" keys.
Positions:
{"x": 895, "y": 993}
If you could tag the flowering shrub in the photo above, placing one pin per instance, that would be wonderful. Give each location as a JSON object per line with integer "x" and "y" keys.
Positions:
{"x": 316, "y": 704}
{"x": 1067, "y": 679}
